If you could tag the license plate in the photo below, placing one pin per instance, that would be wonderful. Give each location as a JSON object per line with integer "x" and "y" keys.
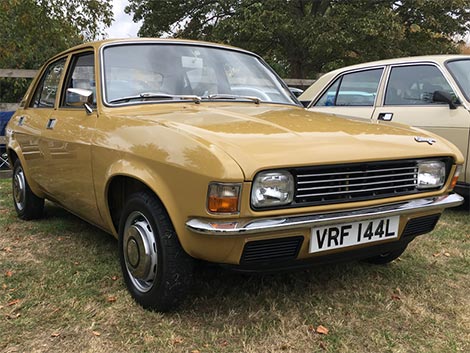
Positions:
{"x": 355, "y": 233}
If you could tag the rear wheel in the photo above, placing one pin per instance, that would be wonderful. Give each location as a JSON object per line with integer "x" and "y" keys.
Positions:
{"x": 27, "y": 204}
{"x": 156, "y": 269}
{"x": 386, "y": 257}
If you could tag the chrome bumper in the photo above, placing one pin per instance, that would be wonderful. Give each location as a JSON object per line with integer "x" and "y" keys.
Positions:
{"x": 261, "y": 225}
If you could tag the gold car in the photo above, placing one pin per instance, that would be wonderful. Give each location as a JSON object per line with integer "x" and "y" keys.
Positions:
{"x": 188, "y": 150}
{"x": 430, "y": 92}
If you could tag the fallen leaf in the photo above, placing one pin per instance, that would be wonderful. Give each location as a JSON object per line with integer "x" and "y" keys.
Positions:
{"x": 111, "y": 299}
{"x": 177, "y": 340}
{"x": 13, "y": 316}
{"x": 4, "y": 286}
{"x": 446, "y": 254}
{"x": 13, "y": 302}
{"x": 7, "y": 249}
{"x": 224, "y": 343}
{"x": 396, "y": 297}
{"x": 9, "y": 273}
{"x": 322, "y": 330}
{"x": 114, "y": 278}
{"x": 55, "y": 334}
{"x": 76, "y": 263}
{"x": 311, "y": 328}
{"x": 436, "y": 254}
{"x": 96, "y": 333}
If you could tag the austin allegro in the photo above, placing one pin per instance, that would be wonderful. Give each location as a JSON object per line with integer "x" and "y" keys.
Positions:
{"x": 188, "y": 150}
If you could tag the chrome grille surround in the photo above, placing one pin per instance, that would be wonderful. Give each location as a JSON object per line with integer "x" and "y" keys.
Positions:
{"x": 357, "y": 182}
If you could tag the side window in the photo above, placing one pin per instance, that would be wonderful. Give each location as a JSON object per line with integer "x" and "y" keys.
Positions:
{"x": 354, "y": 89}
{"x": 415, "y": 85}
{"x": 81, "y": 75}
{"x": 46, "y": 91}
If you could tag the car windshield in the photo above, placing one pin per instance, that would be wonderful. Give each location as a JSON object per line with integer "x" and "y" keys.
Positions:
{"x": 460, "y": 70}
{"x": 157, "y": 72}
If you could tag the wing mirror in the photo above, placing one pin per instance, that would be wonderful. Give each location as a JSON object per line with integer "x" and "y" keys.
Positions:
{"x": 79, "y": 97}
{"x": 444, "y": 97}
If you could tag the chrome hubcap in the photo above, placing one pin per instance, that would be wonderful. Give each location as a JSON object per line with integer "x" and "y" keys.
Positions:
{"x": 140, "y": 251}
{"x": 19, "y": 189}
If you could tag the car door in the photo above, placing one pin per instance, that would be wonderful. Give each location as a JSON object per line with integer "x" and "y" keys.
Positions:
{"x": 351, "y": 94}
{"x": 408, "y": 99}
{"x": 32, "y": 120}
{"x": 68, "y": 139}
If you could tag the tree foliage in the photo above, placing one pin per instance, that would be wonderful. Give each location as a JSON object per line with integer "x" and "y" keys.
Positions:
{"x": 301, "y": 38}
{"x": 31, "y": 31}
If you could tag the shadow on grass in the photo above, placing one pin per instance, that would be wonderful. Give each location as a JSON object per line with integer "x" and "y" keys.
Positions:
{"x": 220, "y": 290}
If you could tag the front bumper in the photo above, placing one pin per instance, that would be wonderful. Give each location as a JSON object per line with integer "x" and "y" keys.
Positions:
{"x": 263, "y": 225}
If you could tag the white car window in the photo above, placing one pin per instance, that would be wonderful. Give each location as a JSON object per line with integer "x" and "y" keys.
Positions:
{"x": 353, "y": 89}
{"x": 415, "y": 85}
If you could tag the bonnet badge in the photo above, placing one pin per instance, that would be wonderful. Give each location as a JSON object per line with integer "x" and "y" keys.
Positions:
{"x": 425, "y": 139}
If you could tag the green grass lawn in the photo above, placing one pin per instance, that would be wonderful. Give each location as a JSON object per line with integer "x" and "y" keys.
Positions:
{"x": 61, "y": 291}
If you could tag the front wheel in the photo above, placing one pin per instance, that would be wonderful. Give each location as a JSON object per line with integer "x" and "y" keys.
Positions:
{"x": 156, "y": 269}
{"x": 27, "y": 204}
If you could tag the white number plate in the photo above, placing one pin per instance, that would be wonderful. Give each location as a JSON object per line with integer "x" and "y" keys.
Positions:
{"x": 349, "y": 234}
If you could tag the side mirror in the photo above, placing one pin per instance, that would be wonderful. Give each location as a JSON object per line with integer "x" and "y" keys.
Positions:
{"x": 79, "y": 97}
{"x": 296, "y": 91}
{"x": 444, "y": 97}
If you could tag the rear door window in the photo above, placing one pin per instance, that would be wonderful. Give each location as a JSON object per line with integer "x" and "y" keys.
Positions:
{"x": 46, "y": 91}
{"x": 353, "y": 89}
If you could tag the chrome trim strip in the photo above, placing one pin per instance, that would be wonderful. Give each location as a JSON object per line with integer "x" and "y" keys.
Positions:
{"x": 357, "y": 172}
{"x": 351, "y": 178}
{"x": 261, "y": 225}
{"x": 401, "y": 186}
{"x": 350, "y": 185}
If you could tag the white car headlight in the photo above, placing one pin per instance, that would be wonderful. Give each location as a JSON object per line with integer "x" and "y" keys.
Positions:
{"x": 274, "y": 188}
{"x": 431, "y": 174}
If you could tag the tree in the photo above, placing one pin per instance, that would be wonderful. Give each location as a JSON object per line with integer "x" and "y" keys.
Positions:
{"x": 31, "y": 31}
{"x": 302, "y": 38}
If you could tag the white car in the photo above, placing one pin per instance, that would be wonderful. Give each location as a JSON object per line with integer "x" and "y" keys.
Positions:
{"x": 430, "y": 92}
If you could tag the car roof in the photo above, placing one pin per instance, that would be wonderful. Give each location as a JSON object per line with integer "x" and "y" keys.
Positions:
{"x": 106, "y": 42}
{"x": 438, "y": 59}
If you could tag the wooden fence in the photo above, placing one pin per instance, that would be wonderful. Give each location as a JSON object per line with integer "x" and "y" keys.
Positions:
{"x": 9, "y": 73}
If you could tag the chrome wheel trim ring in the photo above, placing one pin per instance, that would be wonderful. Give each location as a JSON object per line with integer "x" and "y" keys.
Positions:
{"x": 19, "y": 189}
{"x": 140, "y": 251}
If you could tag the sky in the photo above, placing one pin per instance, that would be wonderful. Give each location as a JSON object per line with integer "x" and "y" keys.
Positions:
{"x": 123, "y": 26}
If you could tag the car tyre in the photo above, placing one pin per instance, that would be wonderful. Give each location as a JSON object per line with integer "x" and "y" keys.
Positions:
{"x": 156, "y": 269}
{"x": 27, "y": 205}
{"x": 386, "y": 257}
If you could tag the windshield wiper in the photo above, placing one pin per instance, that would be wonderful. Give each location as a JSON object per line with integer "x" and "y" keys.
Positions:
{"x": 157, "y": 96}
{"x": 256, "y": 100}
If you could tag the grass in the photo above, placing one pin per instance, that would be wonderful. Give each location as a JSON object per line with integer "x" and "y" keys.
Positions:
{"x": 61, "y": 290}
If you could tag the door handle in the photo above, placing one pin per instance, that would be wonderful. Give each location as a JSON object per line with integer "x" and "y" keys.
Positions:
{"x": 51, "y": 123}
{"x": 385, "y": 116}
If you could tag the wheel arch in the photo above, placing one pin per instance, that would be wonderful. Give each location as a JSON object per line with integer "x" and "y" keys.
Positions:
{"x": 13, "y": 155}
{"x": 121, "y": 186}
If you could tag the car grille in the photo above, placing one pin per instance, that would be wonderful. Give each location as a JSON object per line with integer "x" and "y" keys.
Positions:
{"x": 355, "y": 182}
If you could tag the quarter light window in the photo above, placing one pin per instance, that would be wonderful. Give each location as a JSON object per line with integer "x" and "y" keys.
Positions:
{"x": 415, "y": 85}
{"x": 354, "y": 89}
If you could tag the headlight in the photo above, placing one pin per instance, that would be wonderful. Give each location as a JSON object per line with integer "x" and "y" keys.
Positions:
{"x": 431, "y": 174}
{"x": 223, "y": 198}
{"x": 272, "y": 189}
